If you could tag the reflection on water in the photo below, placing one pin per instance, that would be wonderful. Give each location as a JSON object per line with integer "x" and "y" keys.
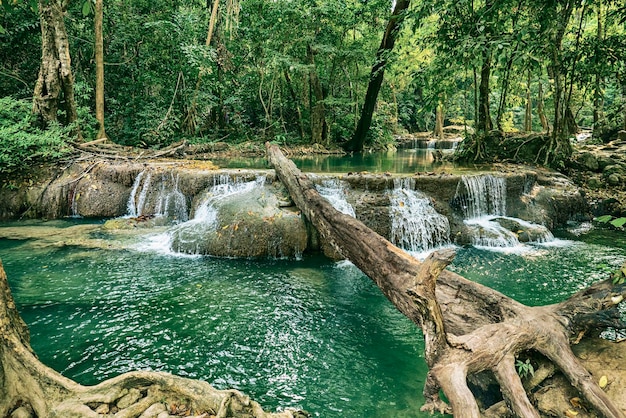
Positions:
{"x": 311, "y": 334}
{"x": 400, "y": 161}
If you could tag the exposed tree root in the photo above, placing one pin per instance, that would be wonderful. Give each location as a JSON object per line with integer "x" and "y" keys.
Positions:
{"x": 38, "y": 391}
{"x": 468, "y": 328}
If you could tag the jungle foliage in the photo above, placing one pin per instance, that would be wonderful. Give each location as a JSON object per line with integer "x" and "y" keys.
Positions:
{"x": 299, "y": 70}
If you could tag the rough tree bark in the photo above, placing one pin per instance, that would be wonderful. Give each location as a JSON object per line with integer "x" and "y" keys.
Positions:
{"x": 376, "y": 76}
{"x": 28, "y": 385}
{"x": 545, "y": 126}
{"x": 468, "y": 328}
{"x": 99, "y": 52}
{"x": 438, "y": 132}
{"x": 54, "y": 90}
{"x": 528, "y": 114}
{"x": 484, "y": 114}
{"x": 319, "y": 127}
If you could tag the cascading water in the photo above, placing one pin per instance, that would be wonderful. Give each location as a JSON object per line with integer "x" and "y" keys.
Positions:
{"x": 482, "y": 200}
{"x": 171, "y": 202}
{"x": 137, "y": 201}
{"x": 415, "y": 224}
{"x": 163, "y": 199}
{"x": 334, "y": 191}
{"x": 185, "y": 237}
{"x": 484, "y": 196}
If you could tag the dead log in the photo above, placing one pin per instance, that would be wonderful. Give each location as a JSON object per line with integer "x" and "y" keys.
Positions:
{"x": 29, "y": 385}
{"x": 468, "y": 328}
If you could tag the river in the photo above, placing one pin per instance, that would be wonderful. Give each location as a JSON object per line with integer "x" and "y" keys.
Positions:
{"x": 310, "y": 333}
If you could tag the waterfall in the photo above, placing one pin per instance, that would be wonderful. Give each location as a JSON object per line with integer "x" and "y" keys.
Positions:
{"x": 482, "y": 199}
{"x": 335, "y": 192}
{"x": 136, "y": 202}
{"x": 482, "y": 196}
{"x": 188, "y": 235}
{"x": 415, "y": 224}
{"x": 164, "y": 199}
{"x": 171, "y": 202}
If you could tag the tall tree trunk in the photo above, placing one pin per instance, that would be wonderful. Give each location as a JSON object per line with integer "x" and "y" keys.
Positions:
{"x": 357, "y": 141}
{"x": 484, "y": 115}
{"x": 598, "y": 96}
{"x": 54, "y": 90}
{"x": 468, "y": 328}
{"x": 559, "y": 145}
{"x": 99, "y": 52}
{"x": 439, "y": 120}
{"x": 545, "y": 126}
{"x": 623, "y": 84}
{"x": 296, "y": 102}
{"x": 528, "y": 114}
{"x": 319, "y": 127}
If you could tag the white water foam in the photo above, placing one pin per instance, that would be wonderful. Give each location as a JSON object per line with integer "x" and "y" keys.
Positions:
{"x": 483, "y": 202}
{"x": 415, "y": 224}
{"x": 334, "y": 191}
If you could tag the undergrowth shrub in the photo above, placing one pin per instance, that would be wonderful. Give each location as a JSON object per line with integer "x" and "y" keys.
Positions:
{"x": 21, "y": 143}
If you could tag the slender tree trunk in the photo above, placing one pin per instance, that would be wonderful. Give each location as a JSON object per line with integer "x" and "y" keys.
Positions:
{"x": 99, "y": 52}
{"x": 439, "y": 120}
{"x": 598, "y": 96}
{"x": 476, "y": 98}
{"x": 545, "y": 126}
{"x": 296, "y": 102}
{"x": 484, "y": 115}
{"x": 559, "y": 142}
{"x": 54, "y": 90}
{"x": 319, "y": 127}
{"x": 623, "y": 84}
{"x": 357, "y": 141}
{"x": 528, "y": 115}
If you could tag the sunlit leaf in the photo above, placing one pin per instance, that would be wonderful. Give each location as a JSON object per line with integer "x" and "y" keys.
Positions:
{"x": 87, "y": 8}
{"x": 603, "y": 381}
{"x": 619, "y": 222}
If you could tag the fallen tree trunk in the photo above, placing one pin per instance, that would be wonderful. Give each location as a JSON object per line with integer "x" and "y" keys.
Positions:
{"x": 35, "y": 390}
{"x": 468, "y": 328}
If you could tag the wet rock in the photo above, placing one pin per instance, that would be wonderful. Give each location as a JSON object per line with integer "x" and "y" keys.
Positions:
{"x": 605, "y": 161}
{"x": 614, "y": 169}
{"x": 587, "y": 161}
{"x": 615, "y": 179}
{"x": 249, "y": 224}
{"x": 600, "y": 358}
{"x": 594, "y": 182}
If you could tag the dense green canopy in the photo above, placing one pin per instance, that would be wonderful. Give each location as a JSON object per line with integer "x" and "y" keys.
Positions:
{"x": 298, "y": 70}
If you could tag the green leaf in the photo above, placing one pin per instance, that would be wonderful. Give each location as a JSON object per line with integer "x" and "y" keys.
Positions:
{"x": 2, "y": 30}
{"x": 87, "y": 8}
{"x": 619, "y": 222}
{"x": 604, "y": 218}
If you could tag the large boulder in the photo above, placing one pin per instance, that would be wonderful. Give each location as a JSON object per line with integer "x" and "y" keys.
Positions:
{"x": 253, "y": 223}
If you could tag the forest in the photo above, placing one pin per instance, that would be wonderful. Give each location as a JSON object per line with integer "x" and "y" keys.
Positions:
{"x": 128, "y": 265}
{"x": 352, "y": 74}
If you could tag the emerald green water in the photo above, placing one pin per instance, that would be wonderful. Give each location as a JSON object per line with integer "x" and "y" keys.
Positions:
{"x": 310, "y": 333}
{"x": 413, "y": 160}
